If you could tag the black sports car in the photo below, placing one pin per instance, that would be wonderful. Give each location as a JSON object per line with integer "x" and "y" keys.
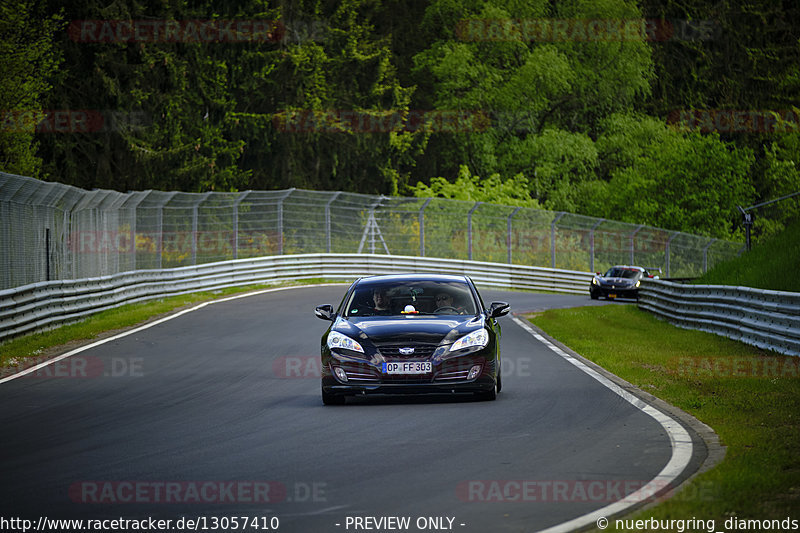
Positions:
{"x": 618, "y": 282}
{"x": 411, "y": 333}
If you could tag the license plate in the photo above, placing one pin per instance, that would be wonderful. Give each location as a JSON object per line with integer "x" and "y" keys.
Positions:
{"x": 612, "y": 295}
{"x": 408, "y": 367}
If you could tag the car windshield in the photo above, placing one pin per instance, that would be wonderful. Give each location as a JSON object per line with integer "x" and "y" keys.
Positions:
{"x": 411, "y": 298}
{"x": 616, "y": 272}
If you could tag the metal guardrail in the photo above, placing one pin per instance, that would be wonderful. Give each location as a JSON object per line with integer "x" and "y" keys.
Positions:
{"x": 43, "y": 305}
{"x": 763, "y": 318}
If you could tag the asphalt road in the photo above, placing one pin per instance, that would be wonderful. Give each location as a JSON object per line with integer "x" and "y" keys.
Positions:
{"x": 217, "y": 413}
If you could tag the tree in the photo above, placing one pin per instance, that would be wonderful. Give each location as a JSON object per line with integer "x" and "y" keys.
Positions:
{"x": 514, "y": 191}
{"x": 682, "y": 181}
{"x": 528, "y": 83}
{"x": 304, "y": 107}
{"x": 28, "y": 59}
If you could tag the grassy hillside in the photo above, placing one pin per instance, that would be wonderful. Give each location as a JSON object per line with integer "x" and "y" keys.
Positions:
{"x": 774, "y": 264}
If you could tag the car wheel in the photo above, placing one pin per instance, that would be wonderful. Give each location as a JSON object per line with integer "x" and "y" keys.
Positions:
{"x": 332, "y": 399}
{"x": 593, "y": 295}
{"x": 488, "y": 396}
{"x": 499, "y": 380}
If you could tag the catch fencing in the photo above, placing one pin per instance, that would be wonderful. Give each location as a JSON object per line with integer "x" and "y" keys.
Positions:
{"x": 51, "y": 231}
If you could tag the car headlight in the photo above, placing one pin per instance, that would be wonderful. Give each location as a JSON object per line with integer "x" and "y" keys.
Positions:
{"x": 594, "y": 281}
{"x": 478, "y": 337}
{"x": 337, "y": 340}
{"x": 637, "y": 284}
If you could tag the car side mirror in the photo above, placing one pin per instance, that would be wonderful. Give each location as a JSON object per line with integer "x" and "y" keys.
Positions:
{"x": 497, "y": 309}
{"x": 325, "y": 312}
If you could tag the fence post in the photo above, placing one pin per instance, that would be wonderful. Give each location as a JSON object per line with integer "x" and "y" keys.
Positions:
{"x": 633, "y": 236}
{"x": 236, "y": 204}
{"x": 195, "y": 209}
{"x": 667, "y": 250}
{"x": 328, "y": 221}
{"x": 47, "y": 253}
{"x": 705, "y": 254}
{"x": 508, "y": 232}
{"x": 469, "y": 229}
{"x": 553, "y": 238}
{"x": 160, "y": 229}
{"x": 280, "y": 219}
{"x": 5, "y": 225}
{"x": 134, "y": 216}
{"x": 591, "y": 243}
{"x": 422, "y": 227}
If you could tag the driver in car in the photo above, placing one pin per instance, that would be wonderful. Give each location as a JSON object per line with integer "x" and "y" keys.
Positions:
{"x": 444, "y": 301}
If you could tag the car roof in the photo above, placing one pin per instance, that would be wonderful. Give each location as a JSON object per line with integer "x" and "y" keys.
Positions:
{"x": 628, "y": 267}
{"x": 400, "y": 278}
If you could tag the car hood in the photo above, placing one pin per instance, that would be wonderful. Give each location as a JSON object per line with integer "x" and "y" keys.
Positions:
{"x": 618, "y": 281}
{"x": 411, "y": 328}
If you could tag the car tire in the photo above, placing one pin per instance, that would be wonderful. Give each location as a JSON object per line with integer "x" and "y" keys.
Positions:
{"x": 499, "y": 386}
{"x": 593, "y": 295}
{"x": 332, "y": 399}
{"x": 487, "y": 396}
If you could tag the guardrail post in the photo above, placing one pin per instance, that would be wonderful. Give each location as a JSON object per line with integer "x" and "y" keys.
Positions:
{"x": 508, "y": 232}
{"x": 422, "y": 227}
{"x": 469, "y": 229}
{"x": 280, "y": 219}
{"x": 553, "y": 238}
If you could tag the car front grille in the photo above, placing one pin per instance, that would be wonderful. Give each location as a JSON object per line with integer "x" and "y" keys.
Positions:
{"x": 393, "y": 351}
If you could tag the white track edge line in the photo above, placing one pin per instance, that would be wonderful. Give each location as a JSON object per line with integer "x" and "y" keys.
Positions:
{"x": 680, "y": 441}
{"x": 150, "y": 325}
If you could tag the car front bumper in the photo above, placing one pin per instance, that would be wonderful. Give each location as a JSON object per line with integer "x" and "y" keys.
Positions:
{"x": 450, "y": 376}
{"x": 609, "y": 292}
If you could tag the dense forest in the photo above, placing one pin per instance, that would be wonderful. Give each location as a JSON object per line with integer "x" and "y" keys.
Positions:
{"x": 665, "y": 112}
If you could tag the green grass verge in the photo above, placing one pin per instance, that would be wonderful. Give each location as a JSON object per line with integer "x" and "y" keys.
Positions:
{"x": 26, "y": 350}
{"x": 769, "y": 265}
{"x": 750, "y": 397}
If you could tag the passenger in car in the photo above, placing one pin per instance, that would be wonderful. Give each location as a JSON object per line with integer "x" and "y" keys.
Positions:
{"x": 380, "y": 302}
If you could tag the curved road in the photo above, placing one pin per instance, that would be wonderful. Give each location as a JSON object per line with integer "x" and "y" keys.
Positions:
{"x": 217, "y": 413}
